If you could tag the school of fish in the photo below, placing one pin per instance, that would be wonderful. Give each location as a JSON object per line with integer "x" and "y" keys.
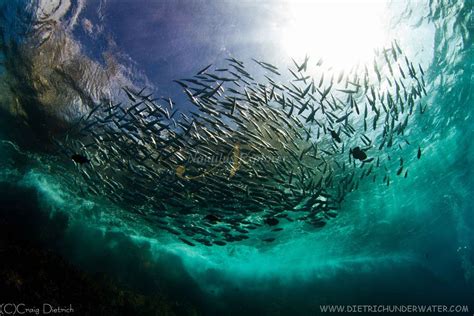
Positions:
{"x": 248, "y": 154}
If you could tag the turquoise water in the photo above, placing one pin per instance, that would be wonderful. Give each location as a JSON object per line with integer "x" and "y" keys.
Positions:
{"x": 409, "y": 243}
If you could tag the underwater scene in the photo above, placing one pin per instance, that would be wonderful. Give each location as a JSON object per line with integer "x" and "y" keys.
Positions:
{"x": 205, "y": 157}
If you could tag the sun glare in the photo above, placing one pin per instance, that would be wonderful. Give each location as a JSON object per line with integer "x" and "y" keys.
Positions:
{"x": 343, "y": 33}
